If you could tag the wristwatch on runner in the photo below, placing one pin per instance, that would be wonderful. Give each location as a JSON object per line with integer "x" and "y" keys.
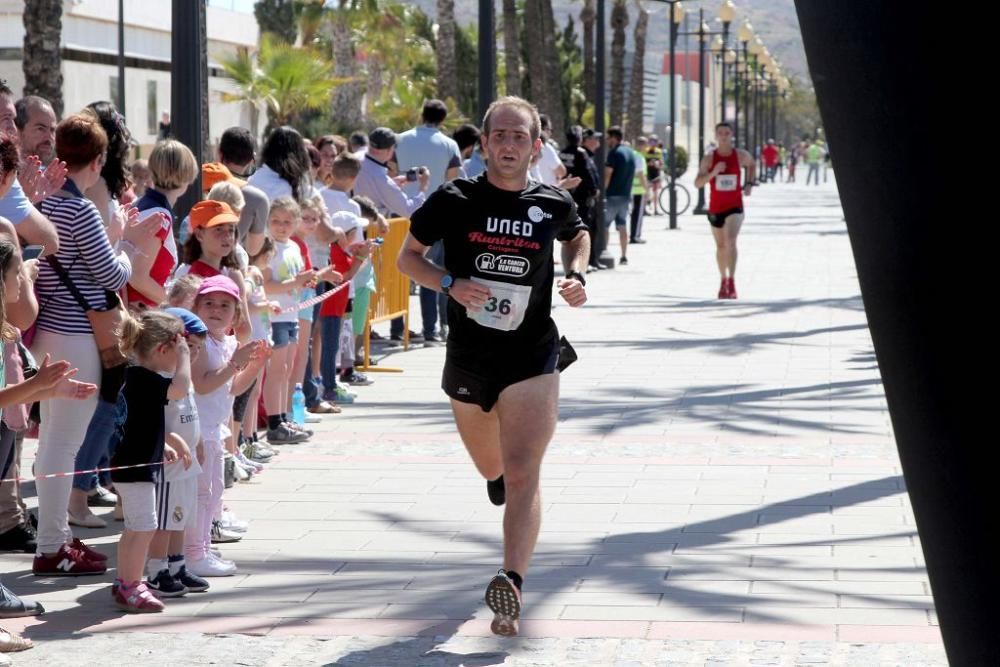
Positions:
{"x": 447, "y": 280}
{"x": 577, "y": 275}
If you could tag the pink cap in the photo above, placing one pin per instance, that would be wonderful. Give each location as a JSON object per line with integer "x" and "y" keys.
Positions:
{"x": 219, "y": 283}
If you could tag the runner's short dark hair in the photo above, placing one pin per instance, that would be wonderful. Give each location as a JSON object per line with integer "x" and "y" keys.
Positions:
{"x": 616, "y": 132}
{"x": 724, "y": 123}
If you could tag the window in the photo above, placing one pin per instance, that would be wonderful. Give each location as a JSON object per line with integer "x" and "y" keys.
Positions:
{"x": 152, "y": 116}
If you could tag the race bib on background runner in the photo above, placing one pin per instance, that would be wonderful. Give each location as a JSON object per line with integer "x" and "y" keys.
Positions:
{"x": 726, "y": 182}
{"x": 505, "y": 308}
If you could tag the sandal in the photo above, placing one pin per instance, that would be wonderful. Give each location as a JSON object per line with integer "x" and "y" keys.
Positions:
{"x": 11, "y": 642}
{"x": 324, "y": 408}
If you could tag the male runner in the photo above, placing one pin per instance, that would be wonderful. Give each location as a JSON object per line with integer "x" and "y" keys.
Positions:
{"x": 501, "y": 369}
{"x": 721, "y": 168}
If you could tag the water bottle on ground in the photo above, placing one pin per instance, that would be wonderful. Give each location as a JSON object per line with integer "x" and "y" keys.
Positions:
{"x": 299, "y": 405}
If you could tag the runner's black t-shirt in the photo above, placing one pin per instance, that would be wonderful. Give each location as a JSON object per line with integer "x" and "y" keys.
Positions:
{"x": 144, "y": 430}
{"x": 503, "y": 239}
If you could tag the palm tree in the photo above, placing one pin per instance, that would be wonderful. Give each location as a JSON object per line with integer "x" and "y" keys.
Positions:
{"x": 619, "y": 19}
{"x": 511, "y": 47}
{"x": 347, "y": 98}
{"x": 243, "y": 69}
{"x": 636, "y": 99}
{"x": 288, "y": 80}
{"x": 447, "y": 74}
{"x": 534, "y": 56}
{"x": 554, "y": 105}
{"x": 42, "y": 62}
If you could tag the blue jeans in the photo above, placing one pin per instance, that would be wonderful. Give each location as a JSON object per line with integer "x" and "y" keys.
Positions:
{"x": 813, "y": 171}
{"x": 100, "y": 441}
{"x": 330, "y": 332}
{"x": 433, "y": 302}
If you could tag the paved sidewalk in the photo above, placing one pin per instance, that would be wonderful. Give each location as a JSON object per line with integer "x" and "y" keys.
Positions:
{"x": 723, "y": 489}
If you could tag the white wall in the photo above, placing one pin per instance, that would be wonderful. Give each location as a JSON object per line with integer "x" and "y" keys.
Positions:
{"x": 91, "y": 25}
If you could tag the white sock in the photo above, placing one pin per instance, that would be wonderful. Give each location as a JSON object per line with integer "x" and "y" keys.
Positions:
{"x": 154, "y": 566}
{"x": 174, "y": 564}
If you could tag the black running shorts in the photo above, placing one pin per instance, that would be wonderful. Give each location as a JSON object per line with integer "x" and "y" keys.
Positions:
{"x": 719, "y": 219}
{"x": 474, "y": 374}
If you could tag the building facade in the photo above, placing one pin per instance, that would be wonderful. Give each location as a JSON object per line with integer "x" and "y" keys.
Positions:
{"x": 90, "y": 58}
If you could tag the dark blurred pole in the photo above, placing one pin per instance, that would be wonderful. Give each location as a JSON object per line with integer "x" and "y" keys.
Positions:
{"x": 919, "y": 281}
{"x": 121, "y": 56}
{"x": 600, "y": 67}
{"x": 700, "y": 209}
{"x": 672, "y": 157}
{"x": 487, "y": 56}
{"x": 188, "y": 78}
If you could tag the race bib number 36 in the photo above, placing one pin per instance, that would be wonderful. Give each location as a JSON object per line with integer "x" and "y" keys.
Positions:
{"x": 725, "y": 182}
{"x": 505, "y": 308}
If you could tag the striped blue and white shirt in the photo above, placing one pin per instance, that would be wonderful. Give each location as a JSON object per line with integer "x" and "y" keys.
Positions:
{"x": 86, "y": 255}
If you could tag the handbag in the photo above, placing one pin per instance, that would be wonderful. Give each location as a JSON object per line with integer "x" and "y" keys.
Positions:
{"x": 107, "y": 324}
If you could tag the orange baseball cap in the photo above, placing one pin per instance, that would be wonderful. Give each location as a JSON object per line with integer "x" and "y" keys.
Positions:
{"x": 216, "y": 172}
{"x": 210, "y": 213}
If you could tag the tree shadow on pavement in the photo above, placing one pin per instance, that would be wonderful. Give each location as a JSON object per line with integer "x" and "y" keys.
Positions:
{"x": 735, "y": 407}
{"x": 618, "y": 568}
{"x": 734, "y": 345}
{"x": 418, "y": 652}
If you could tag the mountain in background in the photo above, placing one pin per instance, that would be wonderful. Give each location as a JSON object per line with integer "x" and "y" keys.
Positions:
{"x": 774, "y": 20}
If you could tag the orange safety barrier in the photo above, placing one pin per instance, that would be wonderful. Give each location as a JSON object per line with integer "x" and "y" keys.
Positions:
{"x": 392, "y": 287}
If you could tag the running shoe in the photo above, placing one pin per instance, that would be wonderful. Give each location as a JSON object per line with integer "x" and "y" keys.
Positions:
{"x": 285, "y": 436}
{"x": 101, "y": 497}
{"x": 360, "y": 379}
{"x": 135, "y": 599}
{"x": 504, "y": 600}
{"x": 732, "y": 288}
{"x": 211, "y": 566}
{"x": 192, "y": 582}
{"x": 163, "y": 585}
{"x": 295, "y": 426}
{"x": 67, "y": 562}
{"x": 496, "y": 490}
{"x": 89, "y": 552}
{"x": 724, "y": 289}
{"x": 222, "y": 536}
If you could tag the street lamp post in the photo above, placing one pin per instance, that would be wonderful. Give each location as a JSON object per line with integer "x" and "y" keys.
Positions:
{"x": 726, "y": 14}
{"x": 487, "y": 56}
{"x": 676, "y": 16}
{"x": 187, "y": 81}
{"x": 732, "y": 57}
{"x": 703, "y": 34}
{"x": 121, "y": 57}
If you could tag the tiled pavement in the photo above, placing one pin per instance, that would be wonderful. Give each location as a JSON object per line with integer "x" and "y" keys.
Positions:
{"x": 723, "y": 489}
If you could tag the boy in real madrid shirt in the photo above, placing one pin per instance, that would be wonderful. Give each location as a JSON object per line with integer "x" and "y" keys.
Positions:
{"x": 177, "y": 488}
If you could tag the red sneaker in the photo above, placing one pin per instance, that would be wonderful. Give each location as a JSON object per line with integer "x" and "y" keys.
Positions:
{"x": 89, "y": 552}
{"x": 724, "y": 289}
{"x": 68, "y": 562}
{"x": 732, "y": 289}
{"x": 135, "y": 598}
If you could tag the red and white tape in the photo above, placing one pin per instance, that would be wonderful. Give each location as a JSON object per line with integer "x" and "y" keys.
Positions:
{"x": 83, "y": 472}
{"x": 309, "y": 303}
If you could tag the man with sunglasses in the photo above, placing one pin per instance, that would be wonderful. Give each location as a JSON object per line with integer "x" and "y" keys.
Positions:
{"x": 237, "y": 153}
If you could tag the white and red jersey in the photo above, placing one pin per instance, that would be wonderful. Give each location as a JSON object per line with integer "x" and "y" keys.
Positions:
{"x": 727, "y": 187}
